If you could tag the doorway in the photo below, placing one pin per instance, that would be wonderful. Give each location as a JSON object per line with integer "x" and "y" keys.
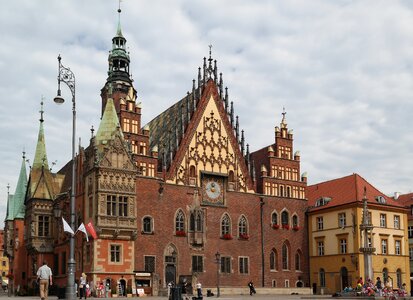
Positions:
{"x": 170, "y": 274}
{"x": 344, "y": 277}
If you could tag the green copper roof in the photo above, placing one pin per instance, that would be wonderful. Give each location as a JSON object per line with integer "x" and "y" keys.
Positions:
{"x": 10, "y": 207}
{"x": 40, "y": 157}
{"x": 19, "y": 194}
{"x": 109, "y": 125}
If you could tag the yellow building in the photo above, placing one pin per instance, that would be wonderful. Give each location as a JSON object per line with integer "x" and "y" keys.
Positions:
{"x": 4, "y": 261}
{"x": 334, "y": 218}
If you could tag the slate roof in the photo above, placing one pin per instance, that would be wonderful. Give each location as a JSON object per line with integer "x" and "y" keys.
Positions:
{"x": 109, "y": 125}
{"x": 345, "y": 190}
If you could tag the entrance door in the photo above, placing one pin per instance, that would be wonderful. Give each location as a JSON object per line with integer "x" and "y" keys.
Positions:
{"x": 344, "y": 277}
{"x": 123, "y": 287}
{"x": 170, "y": 274}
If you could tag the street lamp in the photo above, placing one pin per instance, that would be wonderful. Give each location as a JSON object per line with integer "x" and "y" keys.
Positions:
{"x": 218, "y": 262}
{"x": 67, "y": 76}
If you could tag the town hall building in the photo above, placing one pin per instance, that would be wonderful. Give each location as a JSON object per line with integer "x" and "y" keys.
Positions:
{"x": 179, "y": 199}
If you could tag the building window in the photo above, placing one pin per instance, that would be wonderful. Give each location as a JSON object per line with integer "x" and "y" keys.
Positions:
{"x": 149, "y": 263}
{"x": 320, "y": 223}
{"x": 242, "y": 228}
{"x": 43, "y": 226}
{"x": 399, "y": 278}
{"x": 295, "y": 221}
{"x": 134, "y": 126}
{"x": 196, "y": 220}
{"x": 115, "y": 253}
{"x": 411, "y": 253}
{"x": 243, "y": 265}
{"x": 397, "y": 222}
{"x": 151, "y": 170}
{"x": 410, "y": 231}
{"x": 197, "y": 263}
{"x": 385, "y": 275}
{"x": 383, "y": 246}
{"x": 126, "y": 125}
{"x": 147, "y": 225}
{"x": 225, "y": 264}
{"x": 397, "y": 247}
{"x": 342, "y": 220}
{"x": 274, "y": 219}
{"x": 320, "y": 248}
{"x": 225, "y": 225}
{"x": 284, "y": 218}
{"x": 273, "y": 260}
{"x": 111, "y": 205}
{"x": 285, "y": 257}
{"x": 298, "y": 261}
{"x": 142, "y": 148}
{"x": 343, "y": 246}
{"x": 180, "y": 222}
{"x": 383, "y": 222}
{"x": 123, "y": 206}
{"x": 322, "y": 278}
{"x": 286, "y": 283}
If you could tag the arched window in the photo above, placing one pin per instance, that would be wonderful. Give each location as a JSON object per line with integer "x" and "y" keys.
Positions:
{"x": 288, "y": 191}
{"x": 298, "y": 261}
{"x": 322, "y": 278}
{"x": 295, "y": 221}
{"x": 281, "y": 191}
{"x": 180, "y": 222}
{"x": 225, "y": 225}
{"x": 273, "y": 260}
{"x": 192, "y": 171}
{"x": 285, "y": 258}
{"x": 284, "y": 218}
{"x": 243, "y": 228}
{"x": 231, "y": 176}
{"x": 274, "y": 218}
{"x": 385, "y": 275}
{"x": 147, "y": 225}
{"x": 399, "y": 278}
{"x": 196, "y": 221}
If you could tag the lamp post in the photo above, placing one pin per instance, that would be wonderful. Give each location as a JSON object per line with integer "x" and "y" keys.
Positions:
{"x": 66, "y": 76}
{"x": 218, "y": 262}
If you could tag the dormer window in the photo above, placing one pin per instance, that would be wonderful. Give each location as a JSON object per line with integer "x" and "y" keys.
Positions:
{"x": 322, "y": 201}
{"x": 381, "y": 199}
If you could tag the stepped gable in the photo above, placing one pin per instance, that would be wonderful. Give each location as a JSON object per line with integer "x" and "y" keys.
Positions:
{"x": 346, "y": 190}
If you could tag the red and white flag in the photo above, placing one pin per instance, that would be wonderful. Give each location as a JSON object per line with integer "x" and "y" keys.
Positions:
{"x": 91, "y": 230}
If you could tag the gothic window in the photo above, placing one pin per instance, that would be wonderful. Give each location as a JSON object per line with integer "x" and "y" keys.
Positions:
{"x": 273, "y": 260}
{"x": 274, "y": 218}
{"x": 243, "y": 227}
{"x": 295, "y": 221}
{"x": 288, "y": 191}
{"x": 43, "y": 226}
{"x": 284, "y": 218}
{"x": 281, "y": 191}
{"x": 225, "y": 225}
{"x": 298, "y": 261}
{"x": 115, "y": 253}
{"x": 123, "y": 206}
{"x": 231, "y": 176}
{"x": 196, "y": 221}
{"x": 192, "y": 171}
{"x": 147, "y": 225}
{"x": 285, "y": 257}
{"x": 180, "y": 222}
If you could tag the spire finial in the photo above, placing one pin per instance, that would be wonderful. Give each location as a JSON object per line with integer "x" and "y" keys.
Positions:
{"x": 41, "y": 110}
{"x": 119, "y": 33}
{"x": 284, "y": 113}
{"x": 210, "y": 52}
{"x": 24, "y": 154}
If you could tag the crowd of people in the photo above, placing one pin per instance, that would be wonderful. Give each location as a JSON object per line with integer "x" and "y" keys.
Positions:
{"x": 379, "y": 288}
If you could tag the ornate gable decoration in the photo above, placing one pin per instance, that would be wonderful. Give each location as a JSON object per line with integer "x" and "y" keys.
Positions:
{"x": 115, "y": 155}
{"x": 210, "y": 150}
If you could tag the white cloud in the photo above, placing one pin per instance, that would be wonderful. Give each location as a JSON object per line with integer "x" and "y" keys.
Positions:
{"x": 343, "y": 70}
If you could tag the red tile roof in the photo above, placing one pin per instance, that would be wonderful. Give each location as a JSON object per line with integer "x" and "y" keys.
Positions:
{"x": 406, "y": 199}
{"x": 346, "y": 190}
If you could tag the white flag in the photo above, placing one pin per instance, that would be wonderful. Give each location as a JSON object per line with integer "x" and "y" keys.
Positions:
{"x": 66, "y": 227}
{"x": 82, "y": 228}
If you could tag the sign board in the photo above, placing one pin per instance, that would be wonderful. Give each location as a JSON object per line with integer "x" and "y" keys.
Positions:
{"x": 140, "y": 292}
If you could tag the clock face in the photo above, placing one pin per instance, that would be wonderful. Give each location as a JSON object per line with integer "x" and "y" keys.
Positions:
{"x": 213, "y": 190}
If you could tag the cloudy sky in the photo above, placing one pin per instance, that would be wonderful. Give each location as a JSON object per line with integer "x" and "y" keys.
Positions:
{"x": 343, "y": 70}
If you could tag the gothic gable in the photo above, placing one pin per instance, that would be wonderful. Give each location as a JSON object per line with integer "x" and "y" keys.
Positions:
{"x": 210, "y": 147}
{"x": 115, "y": 155}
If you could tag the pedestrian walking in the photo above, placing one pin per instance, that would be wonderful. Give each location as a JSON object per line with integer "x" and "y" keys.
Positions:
{"x": 44, "y": 275}
{"x": 252, "y": 288}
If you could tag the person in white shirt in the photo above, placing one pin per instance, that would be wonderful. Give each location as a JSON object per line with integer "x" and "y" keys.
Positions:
{"x": 44, "y": 274}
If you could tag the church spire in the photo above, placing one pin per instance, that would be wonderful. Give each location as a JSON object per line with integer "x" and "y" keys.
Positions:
{"x": 40, "y": 157}
{"x": 118, "y": 57}
{"x": 16, "y": 206}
